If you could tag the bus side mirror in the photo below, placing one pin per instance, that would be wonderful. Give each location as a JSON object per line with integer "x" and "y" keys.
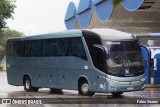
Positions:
{"x": 107, "y": 53}
{"x": 104, "y": 49}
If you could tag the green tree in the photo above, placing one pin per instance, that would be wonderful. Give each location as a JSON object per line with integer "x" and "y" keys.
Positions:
{"x": 4, "y": 36}
{"x": 6, "y": 10}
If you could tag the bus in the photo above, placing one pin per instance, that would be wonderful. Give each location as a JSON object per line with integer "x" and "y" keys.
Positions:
{"x": 89, "y": 60}
{"x": 152, "y": 56}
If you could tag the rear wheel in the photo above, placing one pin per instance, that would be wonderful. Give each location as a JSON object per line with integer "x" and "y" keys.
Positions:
{"x": 84, "y": 89}
{"x": 28, "y": 86}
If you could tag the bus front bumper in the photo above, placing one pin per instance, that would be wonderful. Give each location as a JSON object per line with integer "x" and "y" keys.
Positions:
{"x": 136, "y": 85}
{"x": 113, "y": 88}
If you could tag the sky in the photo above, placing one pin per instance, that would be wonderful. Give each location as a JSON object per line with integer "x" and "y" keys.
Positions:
{"x": 39, "y": 16}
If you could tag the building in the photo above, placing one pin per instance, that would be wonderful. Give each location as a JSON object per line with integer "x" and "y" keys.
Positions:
{"x": 133, "y": 16}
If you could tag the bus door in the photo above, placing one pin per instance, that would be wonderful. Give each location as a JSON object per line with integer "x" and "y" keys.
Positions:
{"x": 156, "y": 65}
{"x": 146, "y": 56}
{"x": 99, "y": 60}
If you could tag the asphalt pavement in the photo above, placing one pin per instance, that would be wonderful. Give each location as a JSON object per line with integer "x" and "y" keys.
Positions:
{"x": 15, "y": 96}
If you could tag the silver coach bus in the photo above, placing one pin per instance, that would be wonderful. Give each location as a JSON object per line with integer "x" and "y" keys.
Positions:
{"x": 89, "y": 60}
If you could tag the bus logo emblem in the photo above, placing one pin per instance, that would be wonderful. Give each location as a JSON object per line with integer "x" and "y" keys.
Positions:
{"x": 127, "y": 71}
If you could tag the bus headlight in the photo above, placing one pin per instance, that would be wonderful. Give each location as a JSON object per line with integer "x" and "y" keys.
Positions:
{"x": 108, "y": 79}
{"x": 112, "y": 81}
{"x": 143, "y": 87}
{"x": 143, "y": 79}
{"x": 113, "y": 88}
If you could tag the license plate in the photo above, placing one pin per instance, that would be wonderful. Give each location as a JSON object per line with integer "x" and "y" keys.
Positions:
{"x": 130, "y": 88}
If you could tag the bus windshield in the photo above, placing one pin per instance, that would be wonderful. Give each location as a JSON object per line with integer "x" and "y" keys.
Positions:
{"x": 125, "y": 58}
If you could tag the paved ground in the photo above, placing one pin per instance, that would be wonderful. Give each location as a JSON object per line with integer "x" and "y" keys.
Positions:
{"x": 72, "y": 99}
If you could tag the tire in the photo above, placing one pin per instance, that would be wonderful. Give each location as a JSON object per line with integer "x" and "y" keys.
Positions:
{"x": 84, "y": 89}
{"x": 28, "y": 86}
{"x": 117, "y": 94}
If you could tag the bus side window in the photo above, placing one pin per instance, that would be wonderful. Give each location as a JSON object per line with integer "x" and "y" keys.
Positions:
{"x": 36, "y": 48}
{"x": 77, "y": 48}
{"x": 11, "y": 49}
{"x": 21, "y": 49}
{"x": 48, "y": 47}
{"x": 27, "y": 49}
{"x": 62, "y": 47}
{"x": 97, "y": 54}
{"x": 18, "y": 48}
{"x": 99, "y": 59}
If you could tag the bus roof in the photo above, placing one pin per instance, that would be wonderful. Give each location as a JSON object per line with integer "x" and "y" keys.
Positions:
{"x": 107, "y": 34}
{"x": 111, "y": 34}
{"x": 67, "y": 33}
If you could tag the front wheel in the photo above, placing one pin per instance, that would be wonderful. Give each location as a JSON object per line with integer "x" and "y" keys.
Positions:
{"x": 84, "y": 89}
{"x": 28, "y": 86}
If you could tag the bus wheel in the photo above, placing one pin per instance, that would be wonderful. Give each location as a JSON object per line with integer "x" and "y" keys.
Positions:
{"x": 28, "y": 86}
{"x": 117, "y": 93}
{"x": 84, "y": 89}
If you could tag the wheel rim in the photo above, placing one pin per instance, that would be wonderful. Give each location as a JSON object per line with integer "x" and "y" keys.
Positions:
{"x": 85, "y": 88}
{"x": 28, "y": 84}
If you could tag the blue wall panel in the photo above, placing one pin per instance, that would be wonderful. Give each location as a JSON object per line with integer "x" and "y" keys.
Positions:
{"x": 103, "y": 9}
{"x": 131, "y": 5}
{"x": 97, "y": 1}
{"x": 146, "y": 56}
{"x": 70, "y": 18}
{"x": 84, "y": 13}
{"x": 83, "y": 6}
{"x": 156, "y": 73}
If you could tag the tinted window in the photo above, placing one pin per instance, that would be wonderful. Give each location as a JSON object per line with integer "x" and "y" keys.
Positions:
{"x": 97, "y": 55}
{"x": 11, "y": 49}
{"x": 62, "y": 47}
{"x": 48, "y": 47}
{"x": 15, "y": 48}
{"x": 20, "y": 48}
{"x": 36, "y": 48}
{"x": 27, "y": 49}
{"x": 77, "y": 48}
{"x": 132, "y": 46}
